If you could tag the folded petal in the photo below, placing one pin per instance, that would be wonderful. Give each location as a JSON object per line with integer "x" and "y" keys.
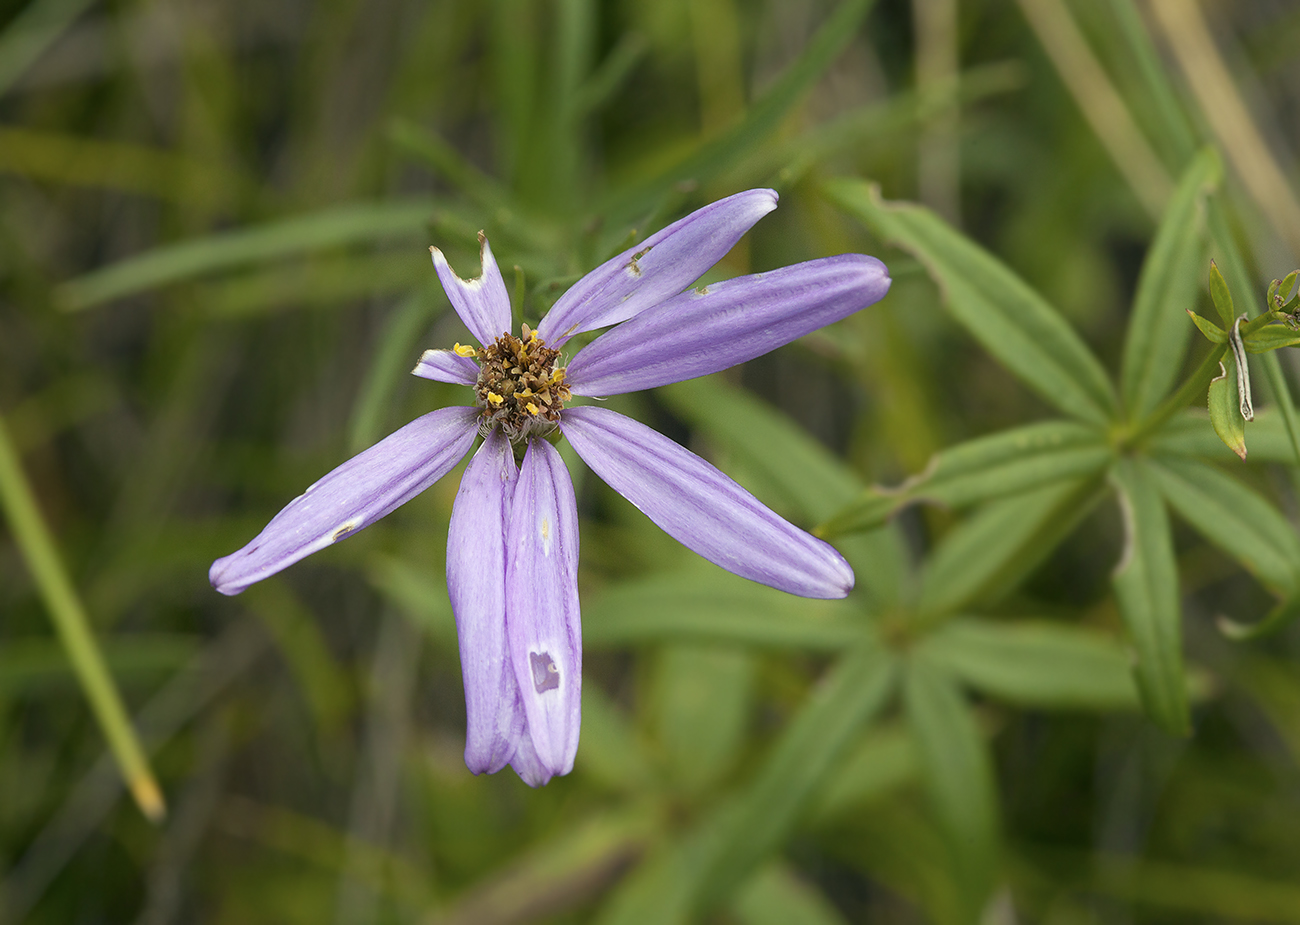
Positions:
{"x": 482, "y": 302}
{"x": 656, "y": 269}
{"x": 446, "y": 366}
{"x": 542, "y": 616}
{"x": 353, "y": 496}
{"x": 707, "y": 330}
{"x": 476, "y": 583}
{"x": 703, "y": 509}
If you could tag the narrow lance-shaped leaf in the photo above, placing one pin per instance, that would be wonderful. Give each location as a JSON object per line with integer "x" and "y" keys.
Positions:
{"x": 996, "y": 547}
{"x": 1146, "y": 587}
{"x": 1011, "y": 321}
{"x": 1011, "y": 462}
{"x": 1225, "y": 408}
{"x": 958, "y": 777}
{"x": 1036, "y": 663}
{"x": 1157, "y": 333}
{"x": 1234, "y": 518}
{"x": 790, "y": 776}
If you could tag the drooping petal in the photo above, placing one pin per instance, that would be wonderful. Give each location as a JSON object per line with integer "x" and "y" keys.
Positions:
{"x": 482, "y": 302}
{"x": 702, "y": 508}
{"x": 526, "y": 763}
{"x": 656, "y": 269}
{"x": 446, "y": 366}
{"x": 353, "y": 496}
{"x": 476, "y": 583}
{"x": 702, "y": 332}
{"x": 542, "y": 615}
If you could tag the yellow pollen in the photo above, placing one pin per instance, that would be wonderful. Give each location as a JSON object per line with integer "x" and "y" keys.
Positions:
{"x": 531, "y": 408}
{"x": 464, "y": 351}
{"x": 495, "y": 398}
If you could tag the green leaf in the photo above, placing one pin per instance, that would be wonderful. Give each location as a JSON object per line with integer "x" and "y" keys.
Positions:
{"x": 1157, "y": 334}
{"x": 992, "y": 550}
{"x": 712, "y": 606}
{"x": 776, "y": 895}
{"x": 958, "y": 777}
{"x": 882, "y": 761}
{"x": 761, "y": 120}
{"x": 610, "y": 751}
{"x": 1190, "y": 434}
{"x": 1212, "y": 332}
{"x": 701, "y": 703}
{"x": 793, "y": 773}
{"x": 997, "y": 308}
{"x": 1221, "y": 296}
{"x": 1006, "y": 463}
{"x": 1036, "y": 664}
{"x": 1234, "y": 518}
{"x": 348, "y": 224}
{"x": 801, "y": 471}
{"x": 1271, "y": 337}
{"x": 1146, "y": 588}
{"x": 1224, "y": 403}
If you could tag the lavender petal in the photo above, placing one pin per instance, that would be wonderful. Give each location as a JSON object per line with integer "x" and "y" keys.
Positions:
{"x": 446, "y": 366}
{"x": 702, "y": 332}
{"x": 656, "y": 269}
{"x": 482, "y": 302}
{"x": 702, "y": 508}
{"x": 542, "y": 616}
{"x": 476, "y": 583}
{"x": 353, "y": 496}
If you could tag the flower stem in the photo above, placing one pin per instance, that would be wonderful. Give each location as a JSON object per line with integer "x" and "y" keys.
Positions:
{"x": 1195, "y": 385}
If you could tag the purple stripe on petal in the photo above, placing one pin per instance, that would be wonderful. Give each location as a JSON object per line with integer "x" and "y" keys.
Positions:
{"x": 353, "y": 496}
{"x": 446, "y": 366}
{"x": 542, "y": 616}
{"x": 482, "y": 302}
{"x": 702, "y": 332}
{"x": 703, "y": 509}
{"x": 476, "y": 583}
{"x": 656, "y": 269}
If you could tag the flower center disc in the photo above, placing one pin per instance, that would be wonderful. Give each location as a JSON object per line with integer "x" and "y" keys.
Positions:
{"x": 519, "y": 387}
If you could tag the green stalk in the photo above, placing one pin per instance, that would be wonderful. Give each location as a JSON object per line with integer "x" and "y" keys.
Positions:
{"x": 38, "y": 550}
{"x": 1195, "y": 385}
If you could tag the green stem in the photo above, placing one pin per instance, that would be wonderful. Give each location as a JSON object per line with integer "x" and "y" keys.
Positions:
{"x": 42, "y": 558}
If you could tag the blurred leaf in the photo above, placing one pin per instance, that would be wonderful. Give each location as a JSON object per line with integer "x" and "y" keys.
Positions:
{"x": 331, "y": 227}
{"x": 802, "y": 470}
{"x": 27, "y": 35}
{"x": 27, "y": 664}
{"x": 1157, "y": 335}
{"x": 41, "y": 556}
{"x": 713, "y": 606}
{"x": 1146, "y": 588}
{"x": 993, "y": 549}
{"x": 701, "y": 703}
{"x": 1224, "y": 401}
{"x": 1035, "y": 664}
{"x": 324, "y": 684}
{"x": 609, "y": 750}
{"x": 419, "y": 593}
{"x": 1006, "y": 463}
{"x": 776, "y": 895}
{"x": 883, "y": 760}
{"x": 1234, "y": 518}
{"x": 959, "y": 779}
{"x": 760, "y": 120}
{"x": 1009, "y": 319}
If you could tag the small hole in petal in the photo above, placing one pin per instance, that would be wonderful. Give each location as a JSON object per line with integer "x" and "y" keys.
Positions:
{"x": 546, "y": 674}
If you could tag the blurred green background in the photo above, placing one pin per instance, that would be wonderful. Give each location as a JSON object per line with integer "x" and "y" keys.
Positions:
{"x": 213, "y": 282}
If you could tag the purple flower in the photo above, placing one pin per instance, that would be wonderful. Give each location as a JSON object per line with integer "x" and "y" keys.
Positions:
{"x": 512, "y": 550}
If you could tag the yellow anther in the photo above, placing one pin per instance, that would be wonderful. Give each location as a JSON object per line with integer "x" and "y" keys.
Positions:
{"x": 531, "y": 408}
{"x": 525, "y": 392}
{"x": 494, "y": 398}
{"x": 464, "y": 351}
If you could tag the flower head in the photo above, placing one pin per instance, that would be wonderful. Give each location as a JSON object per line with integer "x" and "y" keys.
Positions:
{"x": 512, "y": 547}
